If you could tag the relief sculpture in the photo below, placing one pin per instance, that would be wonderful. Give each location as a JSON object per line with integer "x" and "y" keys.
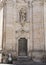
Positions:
{"x": 22, "y": 14}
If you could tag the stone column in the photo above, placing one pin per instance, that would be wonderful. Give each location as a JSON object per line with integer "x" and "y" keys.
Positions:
{"x": 1, "y": 31}
{"x": 38, "y": 28}
{"x": 4, "y": 26}
{"x": 45, "y": 21}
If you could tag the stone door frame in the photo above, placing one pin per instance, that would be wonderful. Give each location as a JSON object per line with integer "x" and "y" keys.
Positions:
{"x": 27, "y": 44}
{"x": 19, "y": 51}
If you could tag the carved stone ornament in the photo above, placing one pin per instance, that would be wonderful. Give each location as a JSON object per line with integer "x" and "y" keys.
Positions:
{"x": 22, "y": 15}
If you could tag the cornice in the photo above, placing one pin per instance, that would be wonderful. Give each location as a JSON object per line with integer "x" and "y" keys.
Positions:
{"x": 38, "y": 2}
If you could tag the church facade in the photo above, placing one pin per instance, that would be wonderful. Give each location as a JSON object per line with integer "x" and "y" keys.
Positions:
{"x": 23, "y": 28}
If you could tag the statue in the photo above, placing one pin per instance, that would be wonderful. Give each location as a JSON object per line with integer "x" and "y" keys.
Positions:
{"x": 22, "y": 15}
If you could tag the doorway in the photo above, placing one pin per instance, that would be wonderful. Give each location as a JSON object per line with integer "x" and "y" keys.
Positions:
{"x": 22, "y": 47}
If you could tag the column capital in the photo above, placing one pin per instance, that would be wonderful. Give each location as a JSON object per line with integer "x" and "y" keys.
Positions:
{"x": 38, "y": 2}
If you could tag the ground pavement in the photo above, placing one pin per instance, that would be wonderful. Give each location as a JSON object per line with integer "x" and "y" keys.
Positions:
{"x": 29, "y": 63}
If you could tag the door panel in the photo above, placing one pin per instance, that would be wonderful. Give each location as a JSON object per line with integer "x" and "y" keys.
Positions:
{"x": 22, "y": 47}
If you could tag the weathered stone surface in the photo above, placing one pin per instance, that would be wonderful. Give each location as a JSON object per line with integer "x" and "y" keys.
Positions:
{"x": 32, "y": 29}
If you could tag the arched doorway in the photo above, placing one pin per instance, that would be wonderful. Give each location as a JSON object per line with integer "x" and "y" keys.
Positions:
{"x": 22, "y": 47}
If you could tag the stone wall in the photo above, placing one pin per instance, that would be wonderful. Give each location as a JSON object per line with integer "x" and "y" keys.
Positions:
{"x": 32, "y": 29}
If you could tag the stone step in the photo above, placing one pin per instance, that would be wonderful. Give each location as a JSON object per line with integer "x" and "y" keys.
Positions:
{"x": 23, "y": 58}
